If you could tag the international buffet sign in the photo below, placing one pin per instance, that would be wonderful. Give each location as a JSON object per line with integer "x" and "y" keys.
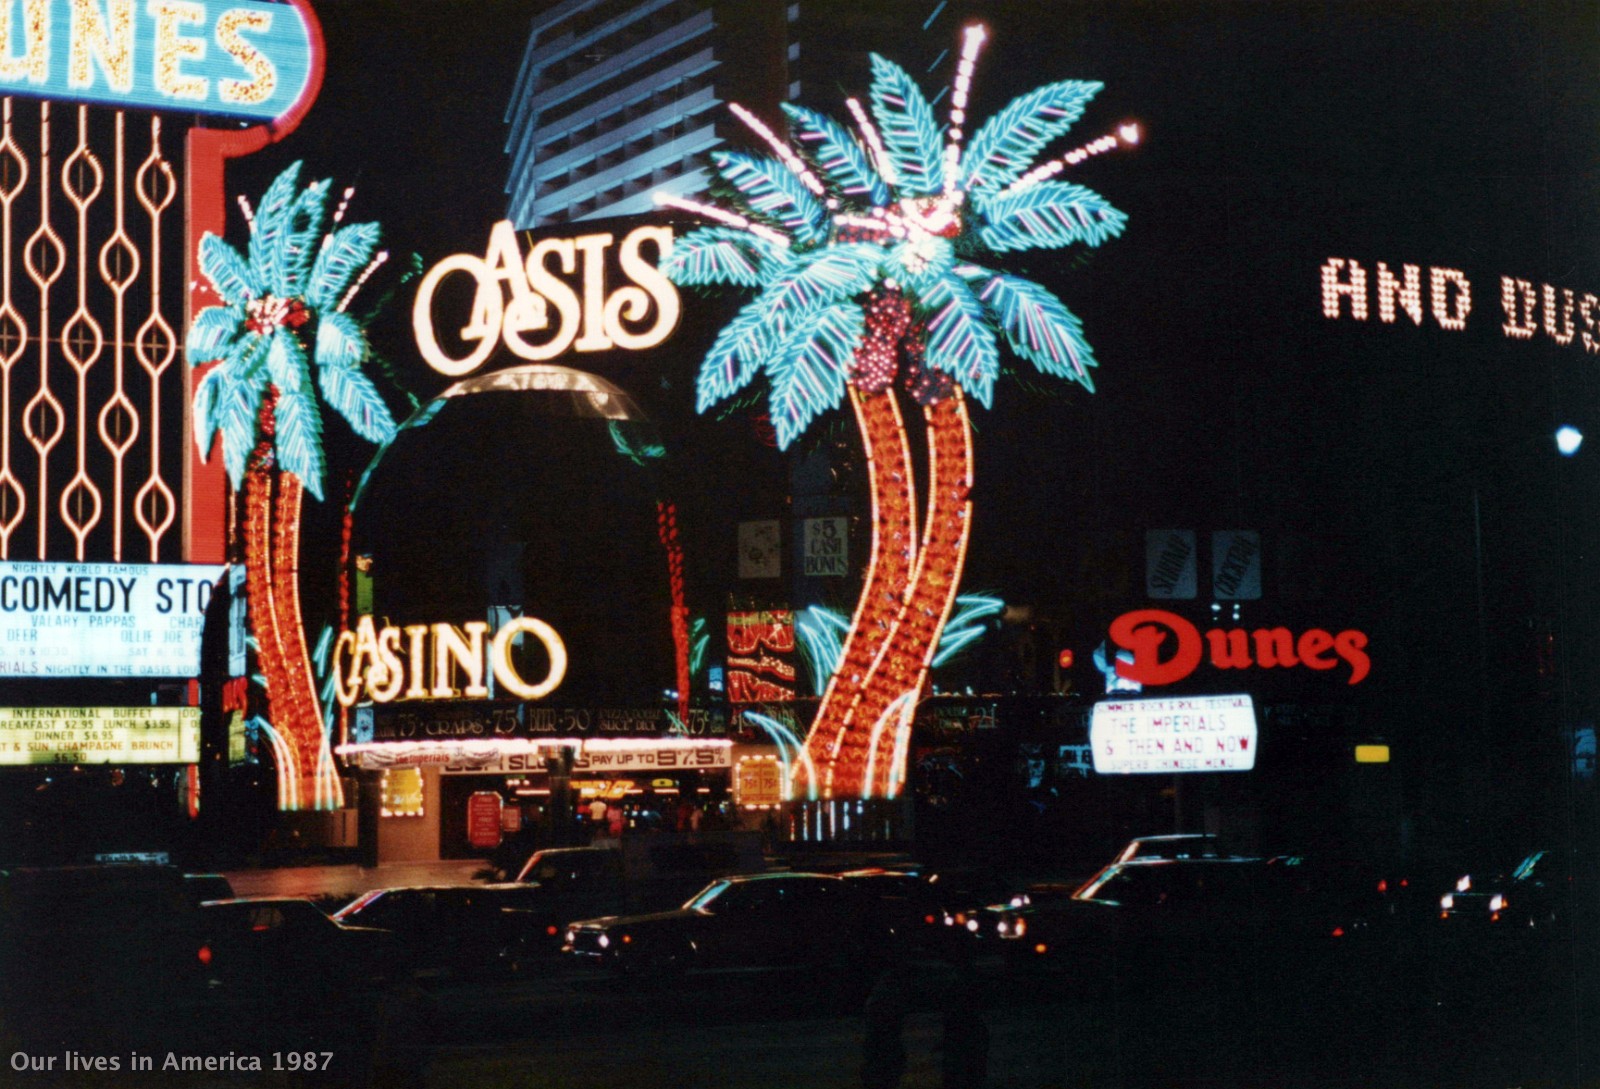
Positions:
{"x": 103, "y": 619}
{"x": 561, "y": 296}
{"x": 1445, "y": 297}
{"x": 99, "y": 735}
{"x": 240, "y": 58}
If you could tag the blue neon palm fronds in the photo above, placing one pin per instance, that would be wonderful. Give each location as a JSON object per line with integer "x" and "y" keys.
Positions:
{"x": 268, "y": 227}
{"x": 238, "y": 405}
{"x": 960, "y": 341}
{"x": 719, "y": 255}
{"x": 771, "y": 190}
{"x": 1049, "y": 215}
{"x": 347, "y": 252}
{"x": 963, "y": 626}
{"x": 299, "y": 237}
{"x": 205, "y": 408}
{"x": 352, "y": 395}
{"x": 735, "y": 357}
{"x": 1039, "y": 328}
{"x": 281, "y": 319}
{"x": 837, "y": 153}
{"x": 809, "y": 368}
{"x": 823, "y": 276}
{"x": 821, "y": 631}
{"x": 214, "y": 330}
{"x": 298, "y": 440}
{"x": 230, "y": 274}
{"x": 1004, "y": 148}
{"x": 699, "y": 640}
{"x": 905, "y": 121}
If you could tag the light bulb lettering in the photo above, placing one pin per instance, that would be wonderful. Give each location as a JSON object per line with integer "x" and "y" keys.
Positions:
{"x": 513, "y": 297}
{"x": 425, "y": 661}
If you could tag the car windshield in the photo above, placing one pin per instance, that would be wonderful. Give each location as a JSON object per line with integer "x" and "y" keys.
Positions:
{"x": 708, "y": 895}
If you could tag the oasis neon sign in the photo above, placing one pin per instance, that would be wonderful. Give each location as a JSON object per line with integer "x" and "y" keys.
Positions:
{"x": 513, "y": 297}
{"x": 1145, "y": 632}
{"x": 424, "y": 661}
{"x": 242, "y": 58}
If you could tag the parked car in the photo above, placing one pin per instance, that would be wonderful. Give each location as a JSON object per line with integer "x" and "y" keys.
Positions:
{"x": 283, "y": 947}
{"x": 1169, "y": 918}
{"x": 646, "y": 873}
{"x": 204, "y": 887}
{"x": 1176, "y": 845}
{"x": 1532, "y": 895}
{"x": 112, "y": 956}
{"x": 820, "y": 923}
{"x": 458, "y": 930}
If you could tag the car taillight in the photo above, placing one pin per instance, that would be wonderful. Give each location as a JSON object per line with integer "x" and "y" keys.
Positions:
{"x": 552, "y": 930}
{"x": 204, "y": 954}
{"x": 1383, "y": 886}
{"x": 929, "y": 919}
{"x": 1041, "y": 948}
{"x": 1338, "y": 932}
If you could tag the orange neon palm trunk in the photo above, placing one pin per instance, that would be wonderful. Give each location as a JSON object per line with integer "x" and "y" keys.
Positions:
{"x": 317, "y": 785}
{"x": 902, "y": 666}
{"x": 272, "y": 547}
{"x": 837, "y": 749}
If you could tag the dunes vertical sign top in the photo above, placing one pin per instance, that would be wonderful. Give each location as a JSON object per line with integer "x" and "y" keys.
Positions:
{"x": 237, "y": 58}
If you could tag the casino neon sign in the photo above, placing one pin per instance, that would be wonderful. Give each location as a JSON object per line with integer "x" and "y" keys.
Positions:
{"x": 513, "y": 297}
{"x": 424, "y": 661}
{"x": 242, "y": 58}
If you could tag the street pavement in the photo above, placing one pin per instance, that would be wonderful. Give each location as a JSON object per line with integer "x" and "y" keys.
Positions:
{"x": 563, "y": 1027}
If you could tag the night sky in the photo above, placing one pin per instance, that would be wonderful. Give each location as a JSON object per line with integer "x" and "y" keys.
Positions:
{"x": 1462, "y": 136}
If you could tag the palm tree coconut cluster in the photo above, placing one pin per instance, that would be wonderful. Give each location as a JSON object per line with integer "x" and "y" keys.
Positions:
{"x": 282, "y": 334}
{"x": 864, "y": 244}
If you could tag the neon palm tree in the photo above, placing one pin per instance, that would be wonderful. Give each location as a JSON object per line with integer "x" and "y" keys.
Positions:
{"x": 861, "y": 247}
{"x": 284, "y": 319}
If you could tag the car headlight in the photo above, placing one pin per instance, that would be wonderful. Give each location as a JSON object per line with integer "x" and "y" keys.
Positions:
{"x": 572, "y": 936}
{"x": 1465, "y": 884}
{"x": 605, "y": 942}
{"x": 1497, "y": 903}
{"x": 972, "y": 925}
{"x": 1447, "y": 901}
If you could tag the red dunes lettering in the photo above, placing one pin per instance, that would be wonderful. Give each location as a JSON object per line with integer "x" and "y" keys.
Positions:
{"x": 1167, "y": 648}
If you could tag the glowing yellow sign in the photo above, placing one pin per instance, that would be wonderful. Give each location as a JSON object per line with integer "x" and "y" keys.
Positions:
{"x": 368, "y": 662}
{"x": 596, "y": 321}
{"x": 99, "y": 735}
{"x": 402, "y": 793}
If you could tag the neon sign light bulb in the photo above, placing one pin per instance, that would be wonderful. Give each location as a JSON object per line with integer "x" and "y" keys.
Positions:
{"x": 732, "y": 219}
{"x": 874, "y": 141}
{"x": 972, "y": 41}
{"x": 790, "y": 159}
{"x": 1126, "y": 135}
{"x": 372, "y": 266}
